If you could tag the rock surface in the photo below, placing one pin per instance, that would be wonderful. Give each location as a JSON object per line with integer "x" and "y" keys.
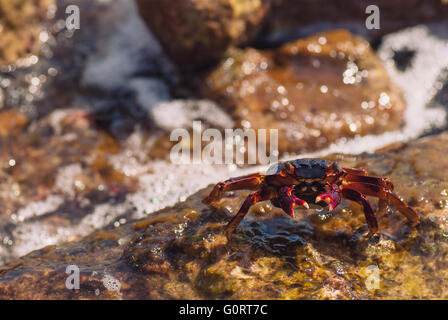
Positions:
{"x": 20, "y": 27}
{"x": 63, "y": 176}
{"x": 77, "y": 148}
{"x": 314, "y": 91}
{"x": 197, "y": 32}
{"x": 179, "y": 252}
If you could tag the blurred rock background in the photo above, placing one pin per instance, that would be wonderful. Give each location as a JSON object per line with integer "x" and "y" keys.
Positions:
{"x": 85, "y": 115}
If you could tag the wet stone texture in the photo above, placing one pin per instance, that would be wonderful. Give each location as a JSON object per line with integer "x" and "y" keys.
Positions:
{"x": 197, "y": 32}
{"x": 31, "y": 158}
{"x": 53, "y": 173}
{"x": 20, "y": 27}
{"x": 314, "y": 90}
{"x": 77, "y": 150}
{"x": 179, "y": 252}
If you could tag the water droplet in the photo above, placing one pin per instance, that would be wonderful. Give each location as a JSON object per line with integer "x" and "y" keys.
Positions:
{"x": 315, "y": 63}
{"x": 384, "y": 99}
{"x": 245, "y": 124}
{"x": 353, "y": 127}
{"x": 281, "y": 90}
{"x": 322, "y": 40}
{"x": 43, "y": 36}
{"x": 324, "y": 89}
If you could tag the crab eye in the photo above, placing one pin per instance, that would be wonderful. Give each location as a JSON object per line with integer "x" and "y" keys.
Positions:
{"x": 289, "y": 168}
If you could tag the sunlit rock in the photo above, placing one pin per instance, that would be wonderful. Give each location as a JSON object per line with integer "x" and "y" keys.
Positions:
{"x": 314, "y": 91}
{"x": 180, "y": 252}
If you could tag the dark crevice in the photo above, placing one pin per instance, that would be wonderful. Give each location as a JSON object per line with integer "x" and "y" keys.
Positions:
{"x": 403, "y": 58}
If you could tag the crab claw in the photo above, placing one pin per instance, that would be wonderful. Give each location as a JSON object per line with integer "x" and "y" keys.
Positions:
{"x": 331, "y": 197}
{"x": 288, "y": 203}
{"x": 287, "y": 200}
{"x": 327, "y": 199}
{"x": 301, "y": 203}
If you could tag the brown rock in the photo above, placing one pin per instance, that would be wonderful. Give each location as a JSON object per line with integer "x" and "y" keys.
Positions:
{"x": 32, "y": 157}
{"x": 179, "y": 252}
{"x": 197, "y": 32}
{"x": 314, "y": 91}
{"x": 20, "y": 26}
{"x": 11, "y": 123}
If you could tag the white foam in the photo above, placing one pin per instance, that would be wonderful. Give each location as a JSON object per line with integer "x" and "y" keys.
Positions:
{"x": 125, "y": 46}
{"x": 420, "y": 81}
{"x": 38, "y": 208}
{"x": 175, "y": 114}
{"x": 150, "y": 92}
{"x": 111, "y": 283}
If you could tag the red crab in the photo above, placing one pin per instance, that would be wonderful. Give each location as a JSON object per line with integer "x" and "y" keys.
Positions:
{"x": 324, "y": 182}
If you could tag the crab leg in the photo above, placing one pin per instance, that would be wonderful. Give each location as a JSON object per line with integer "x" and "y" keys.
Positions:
{"x": 286, "y": 200}
{"x": 261, "y": 195}
{"x": 331, "y": 197}
{"x": 352, "y": 194}
{"x": 249, "y": 182}
{"x": 359, "y": 171}
{"x": 382, "y": 182}
{"x": 387, "y": 195}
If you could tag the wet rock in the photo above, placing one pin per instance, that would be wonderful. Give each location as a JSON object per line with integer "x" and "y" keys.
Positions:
{"x": 51, "y": 172}
{"x": 11, "y": 123}
{"x": 63, "y": 176}
{"x": 36, "y": 81}
{"x": 20, "y": 27}
{"x": 180, "y": 253}
{"x": 105, "y": 62}
{"x": 31, "y": 160}
{"x": 314, "y": 91}
{"x": 195, "y": 33}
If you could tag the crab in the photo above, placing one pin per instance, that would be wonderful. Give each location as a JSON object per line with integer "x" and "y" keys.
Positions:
{"x": 297, "y": 182}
